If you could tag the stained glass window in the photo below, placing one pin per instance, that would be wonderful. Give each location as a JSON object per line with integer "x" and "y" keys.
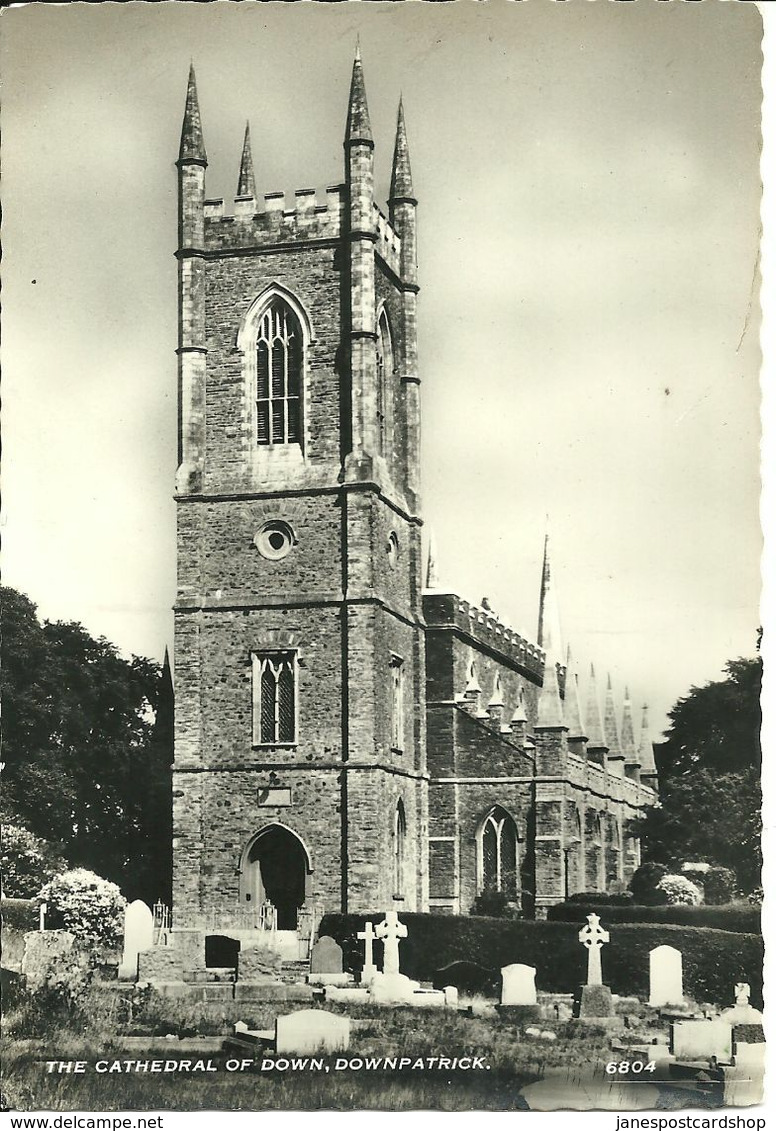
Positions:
{"x": 274, "y": 710}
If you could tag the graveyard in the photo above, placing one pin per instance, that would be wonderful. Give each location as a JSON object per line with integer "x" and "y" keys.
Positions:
{"x": 370, "y": 1014}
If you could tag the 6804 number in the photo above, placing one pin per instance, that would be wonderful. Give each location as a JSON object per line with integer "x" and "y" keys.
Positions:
{"x": 625, "y": 1067}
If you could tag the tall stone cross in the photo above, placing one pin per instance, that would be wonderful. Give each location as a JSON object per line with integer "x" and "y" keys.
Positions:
{"x": 368, "y": 935}
{"x": 593, "y": 936}
{"x": 390, "y": 931}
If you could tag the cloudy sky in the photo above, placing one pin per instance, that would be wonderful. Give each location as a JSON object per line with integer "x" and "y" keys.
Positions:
{"x": 589, "y": 225}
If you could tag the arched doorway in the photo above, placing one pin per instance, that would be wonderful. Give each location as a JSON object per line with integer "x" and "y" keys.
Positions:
{"x": 275, "y": 869}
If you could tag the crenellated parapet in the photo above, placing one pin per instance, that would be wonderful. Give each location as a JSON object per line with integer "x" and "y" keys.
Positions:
{"x": 446, "y": 610}
{"x": 310, "y": 219}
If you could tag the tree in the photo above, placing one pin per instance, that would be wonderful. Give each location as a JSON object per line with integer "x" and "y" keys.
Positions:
{"x": 26, "y": 862}
{"x": 709, "y": 768}
{"x": 82, "y": 751}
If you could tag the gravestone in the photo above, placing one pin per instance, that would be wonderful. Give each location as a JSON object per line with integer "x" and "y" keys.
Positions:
{"x": 747, "y": 1021}
{"x": 138, "y": 936}
{"x": 594, "y": 1000}
{"x": 451, "y": 996}
{"x": 702, "y": 1040}
{"x": 390, "y": 986}
{"x": 44, "y": 953}
{"x": 326, "y": 963}
{"x": 258, "y": 964}
{"x": 369, "y": 969}
{"x": 311, "y": 1030}
{"x": 518, "y": 984}
{"x": 326, "y": 956}
{"x": 665, "y": 977}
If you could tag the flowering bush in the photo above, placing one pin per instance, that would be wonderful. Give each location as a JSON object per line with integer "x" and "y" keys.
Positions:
{"x": 26, "y": 862}
{"x": 87, "y": 905}
{"x": 678, "y": 889}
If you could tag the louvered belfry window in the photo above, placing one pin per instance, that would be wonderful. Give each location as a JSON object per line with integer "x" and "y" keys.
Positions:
{"x": 279, "y": 376}
{"x": 274, "y": 676}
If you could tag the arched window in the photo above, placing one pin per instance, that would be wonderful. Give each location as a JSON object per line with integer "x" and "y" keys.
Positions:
{"x": 384, "y": 382}
{"x": 274, "y": 698}
{"x": 279, "y": 376}
{"x": 399, "y": 846}
{"x": 498, "y": 853}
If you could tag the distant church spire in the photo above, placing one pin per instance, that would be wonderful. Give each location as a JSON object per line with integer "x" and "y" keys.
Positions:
{"x": 549, "y": 619}
{"x": 192, "y": 146}
{"x": 246, "y": 184}
{"x": 401, "y": 175}
{"x": 358, "y": 127}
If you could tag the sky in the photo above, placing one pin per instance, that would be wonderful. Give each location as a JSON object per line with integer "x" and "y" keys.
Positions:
{"x": 589, "y": 195}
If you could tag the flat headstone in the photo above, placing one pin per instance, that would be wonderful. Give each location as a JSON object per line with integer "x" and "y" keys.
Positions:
{"x": 451, "y": 996}
{"x": 518, "y": 984}
{"x": 310, "y": 1030}
{"x": 700, "y": 1040}
{"x": 138, "y": 936}
{"x": 326, "y": 956}
{"x": 665, "y": 977}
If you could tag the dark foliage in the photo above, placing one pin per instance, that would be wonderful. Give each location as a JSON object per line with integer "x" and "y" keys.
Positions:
{"x": 740, "y": 919}
{"x": 88, "y": 748}
{"x": 593, "y": 898}
{"x": 709, "y": 769}
{"x": 713, "y": 961}
{"x": 644, "y": 883}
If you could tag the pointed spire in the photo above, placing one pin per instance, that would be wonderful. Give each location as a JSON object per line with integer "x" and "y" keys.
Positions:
{"x": 571, "y": 704}
{"x": 646, "y": 752}
{"x": 497, "y": 698}
{"x": 192, "y": 143}
{"x": 432, "y": 576}
{"x": 595, "y": 727}
{"x": 246, "y": 184}
{"x": 358, "y": 127}
{"x": 549, "y": 712}
{"x": 549, "y": 620}
{"x": 611, "y": 731}
{"x": 628, "y": 737}
{"x": 401, "y": 175}
{"x": 519, "y": 715}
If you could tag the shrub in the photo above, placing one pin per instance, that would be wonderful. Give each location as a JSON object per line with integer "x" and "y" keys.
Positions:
{"x": 738, "y": 917}
{"x": 719, "y": 885}
{"x": 27, "y": 862}
{"x": 87, "y": 905}
{"x": 678, "y": 889}
{"x": 644, "y": 883}
{"x": 609, "y": 899}
{"x": 19, "y": 914}
{"x": 493, "y": 904}
{"x": 713, "y": 960}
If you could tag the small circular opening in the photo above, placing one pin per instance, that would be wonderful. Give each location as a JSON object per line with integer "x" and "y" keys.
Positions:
{"x": 276, "y": 540}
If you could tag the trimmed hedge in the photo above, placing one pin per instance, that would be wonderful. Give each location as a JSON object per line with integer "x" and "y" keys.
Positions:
{"x": 713, "y": 961}
{"x": 19, "y": 914}
{"x": 739, "y": 919}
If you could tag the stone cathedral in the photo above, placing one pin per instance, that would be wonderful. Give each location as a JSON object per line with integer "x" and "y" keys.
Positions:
{"x": 348, "y": 735}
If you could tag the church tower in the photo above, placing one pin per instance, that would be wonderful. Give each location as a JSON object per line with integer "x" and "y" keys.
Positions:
{"x": 299, "y": 775}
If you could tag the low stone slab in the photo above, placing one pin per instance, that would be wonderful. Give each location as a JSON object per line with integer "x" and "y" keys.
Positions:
{"x": 702, "y": 1040}
{"x": 311, "y": 1030}
{"x": 277, "y": 991}
{"x": 329, "y": 979}
{"x": 350, "y": 995}
{"x": 393, "y": 989}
